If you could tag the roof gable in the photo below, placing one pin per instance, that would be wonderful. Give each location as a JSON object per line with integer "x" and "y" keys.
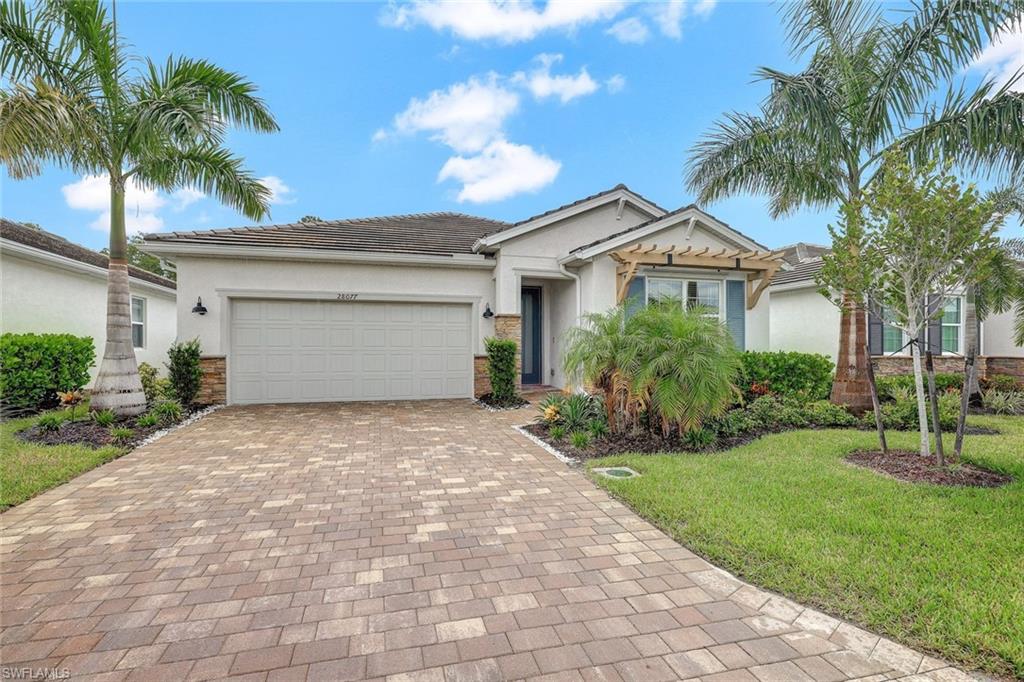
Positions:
{"x": 620, "y": 193}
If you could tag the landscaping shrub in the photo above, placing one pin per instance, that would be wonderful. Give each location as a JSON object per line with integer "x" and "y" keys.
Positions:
{"x": 501, "y": 368}
{"x": 785, "y": 373}
{"x": 145, "y": 421}
{"x": 153, "y": 385}
{"x": 168, "y": 411}
{"x": 1002, "y": 382}
{"x": 103, "y": 418}
{"x": 579, "y": 439}
{"x": 579, "y": 410}
{"x": 557, "y": 432}
{"x": 899, "y": 385}
{"x": 901, "y": 414}
{"x": 662, "y": 368}
{"x": 183, "y": 371}
{"x": 33, "y": 367}
{"x": 50, "y": 421}
{"x": 121, "y": 434}
{"x": 1003, "y": 402}
{"x": 598, "y": 428}
{"x": 825, "y": 414}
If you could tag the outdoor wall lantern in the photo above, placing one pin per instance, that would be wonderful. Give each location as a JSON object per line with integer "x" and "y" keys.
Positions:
{"x": 199, "y": 307}
{"x": 488, "y": 313}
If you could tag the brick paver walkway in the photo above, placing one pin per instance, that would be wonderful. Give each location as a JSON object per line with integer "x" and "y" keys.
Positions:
{"x": 411, "y": 541}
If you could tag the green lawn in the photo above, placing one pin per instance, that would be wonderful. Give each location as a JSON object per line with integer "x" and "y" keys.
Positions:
{"x": 27, "y": 469}
{"x": 939, "y": 569}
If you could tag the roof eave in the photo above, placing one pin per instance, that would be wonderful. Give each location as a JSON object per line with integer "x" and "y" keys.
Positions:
{"x": 168, "y": 248}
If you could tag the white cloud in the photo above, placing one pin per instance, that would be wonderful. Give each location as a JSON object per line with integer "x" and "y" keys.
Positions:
{"x": 185, "y": 197}
{"x": 379, "y": 135}
{"x": 669, "y": 17}
{"x": 92, "y": 193}
{"x": 1003, "y": 57}
{"x": 615, "y": 84}
{"x": 507, "y": 21}
{"x": 465, "y": 117}
{"x": 501, "y": 170}
{"x": 630, "y": 30}
{"x": 704, "y": 8}
{"x": 566, "y": 88}
{"x": 280, "y": 193}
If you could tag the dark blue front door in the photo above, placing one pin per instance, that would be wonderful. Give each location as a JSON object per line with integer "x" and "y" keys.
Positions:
{"x": 531, "y": 341}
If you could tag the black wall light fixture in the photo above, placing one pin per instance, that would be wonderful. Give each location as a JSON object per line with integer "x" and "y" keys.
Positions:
{"x": 488, "y": 313}
{"x": 199, "y": 308}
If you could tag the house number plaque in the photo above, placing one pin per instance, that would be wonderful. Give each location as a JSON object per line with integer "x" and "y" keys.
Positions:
{"x": 347, "y": 297}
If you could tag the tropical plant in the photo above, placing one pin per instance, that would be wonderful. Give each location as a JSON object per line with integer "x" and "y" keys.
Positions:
{"x": 664, "y": 367}
{"x": 598, "y": 428}
{"x": 1003, "y": 402}
{"x": 579, "y": 410}
{"x": 104, "y": 418}
{"x": 121, "y": 434}
{"x": 148, "y": 420}
{"x": 168, "y": 411}
{"x": 184, "y": 371}
{"x": 74, "y": 96}
{"x": 556, "y": 432}
{"x": 551, "y": 407}
{"x": 51, "y": 421}
{"x": 687, "y": 365}
{"x": 1002, "y": 382}
{"x": 871, "y": 84}
{"x": 579, "y": 439}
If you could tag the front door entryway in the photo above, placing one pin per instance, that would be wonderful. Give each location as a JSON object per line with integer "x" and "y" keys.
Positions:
{"x": 531, "y": 341}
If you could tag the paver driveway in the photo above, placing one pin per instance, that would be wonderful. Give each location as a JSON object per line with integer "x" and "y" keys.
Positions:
{"x": 402, "y": 541}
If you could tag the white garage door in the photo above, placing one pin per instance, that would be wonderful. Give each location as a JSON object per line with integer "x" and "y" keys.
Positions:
{"x": 309, "y": 351}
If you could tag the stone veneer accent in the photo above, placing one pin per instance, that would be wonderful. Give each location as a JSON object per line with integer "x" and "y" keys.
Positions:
{"x": 890, "y": 365}
{"x": 481, "y": 378}
{"x": 213, "y": 387}
{"x": 511, "y": 327}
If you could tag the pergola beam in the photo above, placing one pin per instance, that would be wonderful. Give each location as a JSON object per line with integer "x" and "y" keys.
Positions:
{"x": 760, "y": 265}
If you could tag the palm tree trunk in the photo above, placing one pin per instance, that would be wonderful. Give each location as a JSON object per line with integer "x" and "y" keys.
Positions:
{"x": 118, "y": 387}
{"x": 851, "y": 387}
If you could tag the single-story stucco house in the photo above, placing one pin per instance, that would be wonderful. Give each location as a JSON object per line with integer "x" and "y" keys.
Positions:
{"x": 51, "y": 285}
{"x": 398, "y": 307}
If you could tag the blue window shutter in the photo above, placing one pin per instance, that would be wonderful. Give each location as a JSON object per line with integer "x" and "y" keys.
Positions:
{"x": 636, "y": 295}
{"x": 736, "y": 310}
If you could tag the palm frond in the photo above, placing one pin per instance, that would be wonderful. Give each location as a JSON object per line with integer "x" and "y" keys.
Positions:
{"x": 104, "y": 56}
{"x": 32, "y": 44}
{"x": 983, "y": 131}
{"x": 753, "y": 154}
{"x": 937, "y": 41}
{"x": 214, "y": 170}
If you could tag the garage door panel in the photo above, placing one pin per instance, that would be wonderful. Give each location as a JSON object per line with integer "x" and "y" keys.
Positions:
{"x": 296, "y": 351}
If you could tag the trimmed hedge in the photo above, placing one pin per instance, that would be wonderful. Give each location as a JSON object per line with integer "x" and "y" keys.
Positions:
{"x": 33, "y": 367}
{"x": 184, "y": 371}
{"x": 785, "y": 373}
{"x": 501, "y": 367}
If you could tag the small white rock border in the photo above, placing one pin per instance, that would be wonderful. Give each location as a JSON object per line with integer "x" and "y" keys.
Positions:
{"x": 561, "y": 456}
{"x": 492, "y": 408}
{"x": 194, "y": 417}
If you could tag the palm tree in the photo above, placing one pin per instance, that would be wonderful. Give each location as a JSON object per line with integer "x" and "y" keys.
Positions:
{"x": 869, "y": 87}
{"x": 75, "y": 99}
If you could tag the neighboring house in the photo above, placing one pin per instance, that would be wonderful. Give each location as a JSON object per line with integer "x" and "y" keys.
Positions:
{"x": 50, "y": 285}
{"x": 398, "y": 307}
{"x": 802, "y": 319}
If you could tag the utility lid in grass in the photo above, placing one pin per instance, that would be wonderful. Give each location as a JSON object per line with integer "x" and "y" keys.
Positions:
{"x": 617, "y": 472}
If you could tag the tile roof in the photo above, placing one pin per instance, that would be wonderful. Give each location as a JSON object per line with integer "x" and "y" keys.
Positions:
{"x": 420, "y": 233}
{"x": 51, "y": 243}
{"x": 803, "y": 271}
{"x": 802, "y": 251}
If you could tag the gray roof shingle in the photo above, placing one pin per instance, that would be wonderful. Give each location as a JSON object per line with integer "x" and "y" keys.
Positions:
{"x": 51, "y": 243}
{"x": 420, "y": 233}
{"x": 800, "y": 272}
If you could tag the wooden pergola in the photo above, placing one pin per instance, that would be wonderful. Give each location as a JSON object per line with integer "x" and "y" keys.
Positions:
{"x": 760, "y": 266}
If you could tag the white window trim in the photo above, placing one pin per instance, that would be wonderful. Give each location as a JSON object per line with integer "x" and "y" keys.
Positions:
{"x": 684, "y": 280}
{"x": 962, "y": 325}
{"x": 961, "y": 338}
{"x": 142, "y": 322}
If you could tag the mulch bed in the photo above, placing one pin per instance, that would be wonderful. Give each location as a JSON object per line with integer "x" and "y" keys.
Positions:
{"x": 87, "y": 432}
{"x": 515, "y": 403}
{"x": 908, "y": 465}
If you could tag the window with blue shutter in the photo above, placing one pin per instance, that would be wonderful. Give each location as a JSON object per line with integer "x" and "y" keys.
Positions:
{"x": 736, "y": 310}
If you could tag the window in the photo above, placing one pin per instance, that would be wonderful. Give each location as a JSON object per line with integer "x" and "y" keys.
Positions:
{"x": 892, "y": 340}
{"x": 952, "y": 324}
{"x": 698, "y": 292}
{"x": 138, "y": 322}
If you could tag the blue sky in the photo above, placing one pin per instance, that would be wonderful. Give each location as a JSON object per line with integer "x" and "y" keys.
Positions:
{"x": 397, "y": 109}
